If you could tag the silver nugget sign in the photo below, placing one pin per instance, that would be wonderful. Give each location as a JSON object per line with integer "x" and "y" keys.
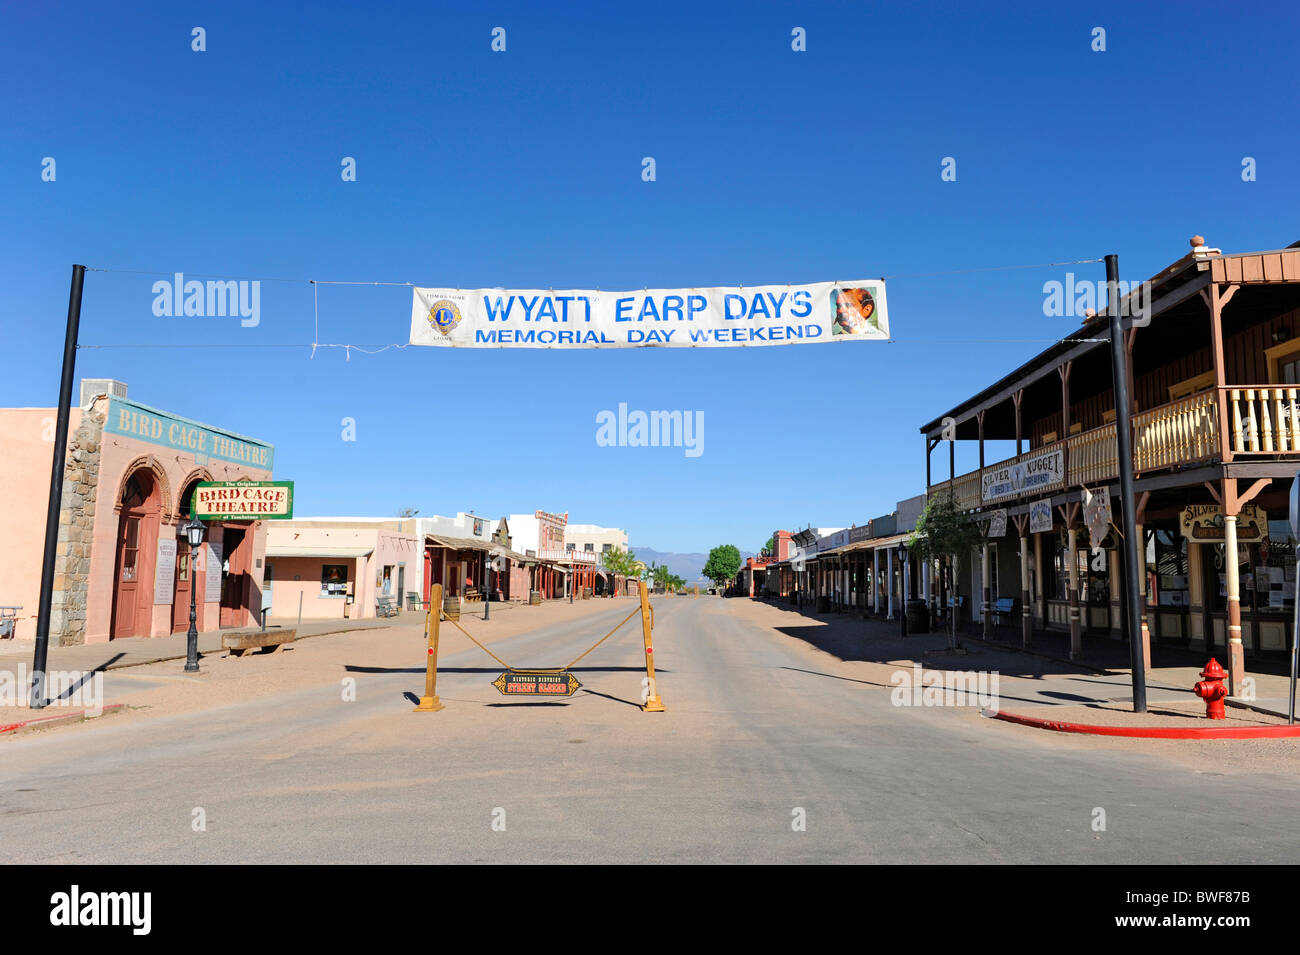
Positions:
{"x": 1038, "y": 472}
{"x": 243, "y": 500}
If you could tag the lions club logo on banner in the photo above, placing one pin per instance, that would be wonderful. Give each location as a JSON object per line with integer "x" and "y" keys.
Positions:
{"x": 444, "y": 316}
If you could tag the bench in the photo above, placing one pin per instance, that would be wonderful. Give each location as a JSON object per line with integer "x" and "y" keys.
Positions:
{"x": 413, "y": 601}
{"x": 8, "y": 621}
{"x": 472, "y": 595}
{"x": 387, "y": 607}
{"x": 241, "y": 642}
{"x": 1004, "y": 607}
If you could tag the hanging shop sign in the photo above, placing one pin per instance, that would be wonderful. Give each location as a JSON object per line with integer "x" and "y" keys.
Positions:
{"x": 997, "y": 523}
{"x": 1204, "y": 522}
{"x": 243, "y": 500}
{"x": 665, "y": 318}
{"x": 537, "y": 683}
{"x": 1032, "y": 473}
{"x": 1096, "y": 517}
{"x": 1040, "y": 517}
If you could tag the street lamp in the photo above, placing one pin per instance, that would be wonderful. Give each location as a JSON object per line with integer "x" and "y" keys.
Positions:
{"x": 194, "y": 534}
{"x": 487, "y": 583}
{"x": 902, "y": 584}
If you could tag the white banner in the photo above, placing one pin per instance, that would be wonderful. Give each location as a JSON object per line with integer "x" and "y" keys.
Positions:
{"x": 690, "y": 318}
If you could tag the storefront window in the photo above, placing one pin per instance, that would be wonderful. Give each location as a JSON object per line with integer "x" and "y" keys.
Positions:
{"x": 1273, "y": 569}
{"x": 1167, "y": 569}
{"x": 1057, "y": 581}
{"x": 334, "y": 580}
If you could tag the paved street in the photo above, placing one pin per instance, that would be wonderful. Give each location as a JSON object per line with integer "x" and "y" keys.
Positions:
{"x": 758, "y": 724}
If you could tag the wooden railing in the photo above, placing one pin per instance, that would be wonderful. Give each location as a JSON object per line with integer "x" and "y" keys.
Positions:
{"x": 1093, "y": 456}
{"x": 1263, "y": 420}
{"x": 965, "y": 487}
{"x": 1181, "y": 432}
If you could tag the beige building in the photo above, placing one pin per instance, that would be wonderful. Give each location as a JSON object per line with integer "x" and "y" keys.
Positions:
{"x": 337, "y": 567}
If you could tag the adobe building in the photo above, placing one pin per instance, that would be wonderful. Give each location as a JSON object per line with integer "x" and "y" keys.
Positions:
{"x": 123, "y": 567}
{"x": 331, "y": 568}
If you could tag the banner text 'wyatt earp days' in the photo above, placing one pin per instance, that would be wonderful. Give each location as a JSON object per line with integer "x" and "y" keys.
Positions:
{"x": 710, "y": 317}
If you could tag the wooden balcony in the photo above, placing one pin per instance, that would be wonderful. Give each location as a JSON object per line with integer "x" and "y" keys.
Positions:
{"x": 1263, "y": 419}
{"x": 1179, "y": 433}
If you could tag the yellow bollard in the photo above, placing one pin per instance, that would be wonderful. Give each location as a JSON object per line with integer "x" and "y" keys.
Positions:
{"x": 429, "y": 703}
{"x": 653, "y": 704}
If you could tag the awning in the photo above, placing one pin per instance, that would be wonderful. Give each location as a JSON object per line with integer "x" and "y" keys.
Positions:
{"x": 312, "y": 550}
{"x": 458, "y": 543}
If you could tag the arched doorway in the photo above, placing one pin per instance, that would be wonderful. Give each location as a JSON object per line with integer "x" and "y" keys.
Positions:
{"x": 139, "y": 516}
{"x": 185, "y": 570}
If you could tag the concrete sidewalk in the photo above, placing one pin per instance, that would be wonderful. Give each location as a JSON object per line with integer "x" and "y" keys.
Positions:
{"x": 1032, "y": 678}
{"x": 138, "y": 651}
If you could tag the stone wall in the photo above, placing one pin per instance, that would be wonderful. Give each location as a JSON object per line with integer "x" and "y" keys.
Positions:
{"x": 76, "y": 531}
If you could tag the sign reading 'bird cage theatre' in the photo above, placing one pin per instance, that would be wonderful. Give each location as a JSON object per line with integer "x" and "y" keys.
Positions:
{"x": 243, "y": 500}
{"x": 664, "y": 318}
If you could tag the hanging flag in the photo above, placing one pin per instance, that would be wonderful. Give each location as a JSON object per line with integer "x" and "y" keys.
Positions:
{"x": 686, "y": 318}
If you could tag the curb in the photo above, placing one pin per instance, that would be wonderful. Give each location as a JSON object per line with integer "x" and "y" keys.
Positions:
{"x": 220, "y": 649}
{"x": 1150, "y": 732}
{"x": 39, "y": 721}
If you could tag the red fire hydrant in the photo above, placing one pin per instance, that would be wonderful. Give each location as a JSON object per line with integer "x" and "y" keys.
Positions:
{"x": 1212, "y": 690}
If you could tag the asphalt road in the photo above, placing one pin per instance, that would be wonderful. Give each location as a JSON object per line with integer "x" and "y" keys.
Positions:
{"x": 756, "y": 730}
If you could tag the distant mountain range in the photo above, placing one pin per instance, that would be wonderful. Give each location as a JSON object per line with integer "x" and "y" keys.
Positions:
{"x": 685, "y": 566}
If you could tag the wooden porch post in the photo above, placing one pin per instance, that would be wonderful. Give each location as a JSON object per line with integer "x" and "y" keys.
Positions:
{"x": 1026, "y": 612}
{"x": 1071, "y": 513}
{"x": 1017, "y": 397}
{"x": 984, "y": 581}
{"x": 1140, "y": 512}
{"x": 1064, "y": 371}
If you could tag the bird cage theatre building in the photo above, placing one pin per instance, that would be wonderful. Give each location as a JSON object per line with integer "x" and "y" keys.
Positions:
{"x": 123, "y": 567}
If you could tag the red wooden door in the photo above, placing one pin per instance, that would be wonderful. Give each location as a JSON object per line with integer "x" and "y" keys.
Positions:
{"x": 235, "y": 585}
{"x": 184, "y": 581}
{"x": 127, "y": 582}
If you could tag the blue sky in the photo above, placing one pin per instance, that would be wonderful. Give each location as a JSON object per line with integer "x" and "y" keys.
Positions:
{"x": 522, "y": 169}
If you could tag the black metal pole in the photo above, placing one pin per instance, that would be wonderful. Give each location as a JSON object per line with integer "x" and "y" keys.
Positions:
{"x": 1124, "y": 446}
{"x": 487, "y": 584}
{"x": 192, "y": 636}
{"x": 39, "y": 656}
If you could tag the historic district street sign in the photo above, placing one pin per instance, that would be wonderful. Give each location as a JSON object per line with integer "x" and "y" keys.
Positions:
{"x": 243, "y": 500}
{"x": 535, "y": 683}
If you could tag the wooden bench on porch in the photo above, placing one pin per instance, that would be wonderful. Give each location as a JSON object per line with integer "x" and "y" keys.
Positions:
{"x": 1004, "y": 607}
{"x": 243, "y": 642}
{"x": 387, "y": 607}
{"x": 472, "y": 595}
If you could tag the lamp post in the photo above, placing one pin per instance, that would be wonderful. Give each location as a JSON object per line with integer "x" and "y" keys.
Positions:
{"x": 194, "y": 534}
{"x": 487, "y": 583}
{"x": 902, "y": 585}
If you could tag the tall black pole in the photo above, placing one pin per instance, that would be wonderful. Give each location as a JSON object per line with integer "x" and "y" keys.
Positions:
{"x": 192, "y": 635}
{"x": 38, "y": 700}
{"x": 487, "y": 583}
{"x": 1127, "y": 500}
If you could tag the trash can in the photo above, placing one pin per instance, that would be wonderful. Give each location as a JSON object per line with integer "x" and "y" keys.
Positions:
{"x": 918, "y": 617}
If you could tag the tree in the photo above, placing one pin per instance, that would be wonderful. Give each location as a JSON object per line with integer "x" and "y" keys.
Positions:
{"x": 723, "y": 564}
{"x": 768, "y": 547}
{"x": 408, "y": 511}
{"x": 661, "y": 577}
{"x": 943, "y": 531}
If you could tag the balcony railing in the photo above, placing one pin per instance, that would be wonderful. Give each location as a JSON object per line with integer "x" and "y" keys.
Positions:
{"x": 1181, "y": 432}
{"x": 1263, "y": 420}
